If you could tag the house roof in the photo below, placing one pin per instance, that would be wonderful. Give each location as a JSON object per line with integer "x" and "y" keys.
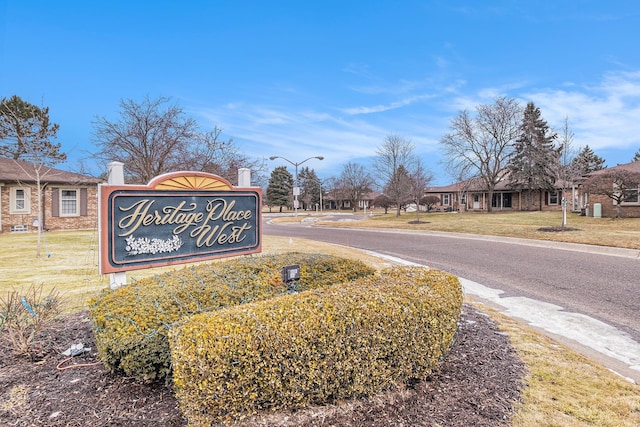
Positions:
{"x": 444, "y": 189}
{"x": 18, "y": 170}
{"x": 472, "y": 185}
{"x": 478, "y": 185}
{"x": 631, "y": 167}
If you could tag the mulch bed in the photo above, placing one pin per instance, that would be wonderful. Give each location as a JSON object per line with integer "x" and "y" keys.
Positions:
{"x": 477, "y": 385}
{"x": 557, "y": 229}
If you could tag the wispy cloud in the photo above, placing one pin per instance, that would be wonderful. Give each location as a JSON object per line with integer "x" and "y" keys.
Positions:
{"x": 276, "y": 130}
{"x": 381, "y": 108}
{"x": 603, "y": 115}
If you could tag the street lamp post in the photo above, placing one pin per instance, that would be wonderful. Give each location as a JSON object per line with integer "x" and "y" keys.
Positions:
{"x": 295, "y": 193}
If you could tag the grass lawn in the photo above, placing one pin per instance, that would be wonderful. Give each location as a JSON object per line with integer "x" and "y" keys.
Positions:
{"x": 622, "y": 233}
{"x": 564, "y": 388}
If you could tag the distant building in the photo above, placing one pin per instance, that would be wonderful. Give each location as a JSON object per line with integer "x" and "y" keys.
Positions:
{"x": 69, "y": 200}
{"x": 472, "y": 195}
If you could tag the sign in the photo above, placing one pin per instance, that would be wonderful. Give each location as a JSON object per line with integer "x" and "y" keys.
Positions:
{"x": 177, "y": 218}
{"x": 290, "y": 273}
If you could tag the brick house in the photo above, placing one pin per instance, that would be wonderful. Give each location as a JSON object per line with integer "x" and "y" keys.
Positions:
{"x": 337, "y": 201}
{"x": 69, "y": 200}
{"x": 471, "y": 195}
{"x": 630, "y": 207}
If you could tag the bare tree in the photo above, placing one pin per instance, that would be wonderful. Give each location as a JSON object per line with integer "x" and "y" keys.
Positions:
{"x": 354, "y": 182}
{"x": 333, "y": 191}
{"x": 465, "y": 181}
{"x": 430, "y": 201}
{"x": 209, "y": 152}
{"x": 382, "y": 201}
{"x": 155, "y": 136}
{"x": 618, "y": 184}
{"x": 482, "y": 144}
{"x": 151, "y": 137}
{"x": 419, "y": 180}
{"x": 564, "y": 167}
{"x": 394, "y": 164}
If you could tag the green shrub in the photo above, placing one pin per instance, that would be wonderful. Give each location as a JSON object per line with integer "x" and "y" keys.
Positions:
{"x": 131, "y": 322}
{"x": 314, "y": 347}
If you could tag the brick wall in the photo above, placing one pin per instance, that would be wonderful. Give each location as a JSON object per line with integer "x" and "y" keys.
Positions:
{"x": 88, "y": 221}
{"x": 609, "y": 209}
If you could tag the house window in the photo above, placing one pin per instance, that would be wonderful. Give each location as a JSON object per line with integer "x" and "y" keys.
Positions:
{"x": 631, "y": 196}
{"x": 69, "y": 202}
{"x": 553, "y": 197}
{"x": 501, "y": 200}
{"x": 20, "y": 201}
{"x": 445, "y": 200}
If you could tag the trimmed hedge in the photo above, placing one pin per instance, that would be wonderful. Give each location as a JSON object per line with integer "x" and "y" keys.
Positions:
{"x": 131, "y": 322}
{"x": 315, "y": 347}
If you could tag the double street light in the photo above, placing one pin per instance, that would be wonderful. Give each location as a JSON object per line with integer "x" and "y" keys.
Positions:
{"x": 296, "y": 189}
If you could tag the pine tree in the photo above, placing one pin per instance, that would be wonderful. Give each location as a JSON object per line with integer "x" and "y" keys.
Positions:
{"x": 310, "y": 186}
{"x": 279, "y": 191}
{"x": 530, "y": 168}
{"x": 636, "y": 156}
{"x": 26, "y": 133}
{"x": 587, "y": 161}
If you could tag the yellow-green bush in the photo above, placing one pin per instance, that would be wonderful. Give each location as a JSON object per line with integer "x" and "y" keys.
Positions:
{"x": 131, "y": 322}
{"x": 314, "y": 347}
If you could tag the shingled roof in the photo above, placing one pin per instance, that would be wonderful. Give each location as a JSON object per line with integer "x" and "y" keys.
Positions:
{"x": 17, "y": 170}
{"x": 630, "y": 167}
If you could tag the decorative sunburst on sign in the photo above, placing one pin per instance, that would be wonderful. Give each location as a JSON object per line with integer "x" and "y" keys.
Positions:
{"x": 190, "y": 182}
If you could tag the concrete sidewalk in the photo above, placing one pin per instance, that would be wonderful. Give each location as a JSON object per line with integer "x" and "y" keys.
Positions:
{"x": 603, "y": 343}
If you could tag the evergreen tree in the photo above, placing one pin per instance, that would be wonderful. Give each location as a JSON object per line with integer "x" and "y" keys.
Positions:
{"x": 310, "y": 187}
{"x": 279, "y": 191}
{"x": 587, "y": 161}
{"x": 530, "y": 167}
{"x": 636, "y": 156}
{"x": 26, "y": 133}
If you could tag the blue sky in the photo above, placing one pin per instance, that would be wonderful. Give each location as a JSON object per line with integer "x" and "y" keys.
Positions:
{"x": 329, "y": 78}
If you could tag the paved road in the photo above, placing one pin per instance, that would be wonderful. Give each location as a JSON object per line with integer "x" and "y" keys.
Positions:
{"x": 601, "y": 284}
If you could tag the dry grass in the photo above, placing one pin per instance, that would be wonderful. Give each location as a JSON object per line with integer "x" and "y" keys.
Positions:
{"x": 69, "y": 262}
{"x": 563, "y": 388}
{"x": 623, "y": 233}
